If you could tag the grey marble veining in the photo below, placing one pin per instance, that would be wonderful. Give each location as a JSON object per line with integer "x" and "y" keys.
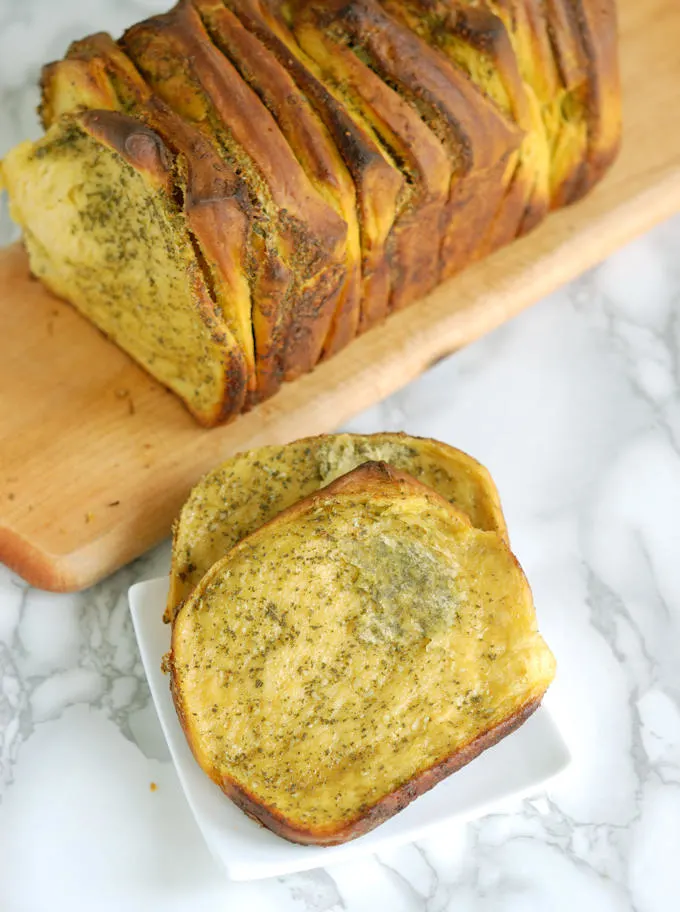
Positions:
{"x": 575, "y": 408}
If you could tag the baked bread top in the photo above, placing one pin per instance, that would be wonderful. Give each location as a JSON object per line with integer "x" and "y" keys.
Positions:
{"x": 181, "y": 63}
{"x": 309, "y": 140}
{"x": 477, "y": 42}
{"x": 380, "y": 186}
{"x": 409, "y": 143}
{"x": 477, "y": 136}
{"x": 351, "y": 653}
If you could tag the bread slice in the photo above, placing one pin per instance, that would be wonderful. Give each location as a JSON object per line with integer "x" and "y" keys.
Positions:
{"x": 599, "y": 32}
{"x": 565, "y": 110}
{"x": 583, "y": 35}
{"x": 96, "y": 74}
{"x": 379, "y": 183}
{"x": 478, "y": 138}
{"x": 251, "y": 488}
{"x": 416, "y": 237}
{"x": 353, "y": 652}
{"x": 99, "y": 201}
{"x": 309, "y": 140}
{"x": 477, "y": 41}
{"x": 561, "y": 104}
{"x": 178, "y": 59}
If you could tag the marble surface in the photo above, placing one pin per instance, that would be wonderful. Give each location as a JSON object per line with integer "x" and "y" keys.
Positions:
{"x": 574, "y": 407}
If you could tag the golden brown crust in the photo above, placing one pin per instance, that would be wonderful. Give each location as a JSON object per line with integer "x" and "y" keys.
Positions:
{"x": 342, "y": 214}
{"x": 309, "y": 140}
{"x": 483, "y": 136}
{"x": 580, "y": 37}
{"x": 385, "y": 808}
{"x": 531, "y": 27}
{"x": 215, "y": 204}
{"x": 460, "y": 31}
{"x": 176, "y": 55}
{"x": 597, "y": 20}
{"x": 478, "y": 137}
{"x": 88, "y": 87}
{"x": 527, "y": 201}
{"x": 145, "y": 151}
{"x": 158, "y": 48}
{"x": 378, "y": 183}
{"x": 553, "y": 72}
{"x": 563, "y": 31}
{"x": 416, "y": 235}
{"x": 484, "y": 31}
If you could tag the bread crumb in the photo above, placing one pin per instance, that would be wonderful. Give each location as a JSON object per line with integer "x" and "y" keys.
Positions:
{"x": 123, "y": 393}
{"x": 153, "y": 786}
{"x": 89, "y": 517}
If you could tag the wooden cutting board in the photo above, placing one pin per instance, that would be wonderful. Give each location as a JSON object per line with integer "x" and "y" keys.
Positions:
{"x": 96, "y": 458}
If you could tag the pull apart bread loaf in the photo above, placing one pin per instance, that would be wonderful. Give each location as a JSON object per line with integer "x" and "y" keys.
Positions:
{"x": 351, "y": 653}
{"x": 317, "y": 166}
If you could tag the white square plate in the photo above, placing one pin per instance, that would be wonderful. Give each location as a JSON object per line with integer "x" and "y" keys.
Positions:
{"x": 248, "y": 851}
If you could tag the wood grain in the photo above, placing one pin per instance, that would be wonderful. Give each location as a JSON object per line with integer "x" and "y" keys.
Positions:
{"x": 96, "y": 458}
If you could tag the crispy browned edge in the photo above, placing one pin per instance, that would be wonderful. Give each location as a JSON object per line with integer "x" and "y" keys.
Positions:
{"x": 390, "y": 804}
{"x": 370, "y": 475}
{"x": 413, "y": 252}
{"x": 214, "y": 200}
{"x": 144, "y": 150}
{"x": 579, "y": 39}
{"x": 521, "y": 209}
{"x": 140, "y": 146}
{"x": 501, "y": 528}
{"x": 524, "y": 206}
{"x": 484, "y": 133}
{"x": 376, "y": 180}
{"x": 160, "y": 37}
{"x": 307, "y": 136}
{"x": 485, "y": 137}
{"x": 318, "y": 235}
{"x": 599, "y": 31}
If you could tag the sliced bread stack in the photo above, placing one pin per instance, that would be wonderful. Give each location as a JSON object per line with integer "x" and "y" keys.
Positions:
{"x": 349, "y": 626}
